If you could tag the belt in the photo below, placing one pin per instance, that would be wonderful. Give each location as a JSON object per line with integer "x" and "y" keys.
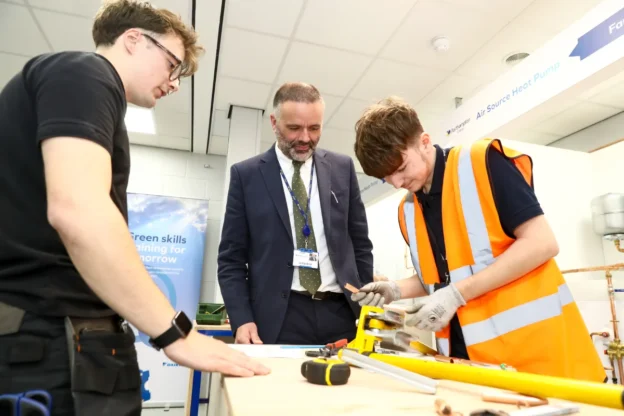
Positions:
{"x": 320, "y": 295}
{"x": 107, "y": 323}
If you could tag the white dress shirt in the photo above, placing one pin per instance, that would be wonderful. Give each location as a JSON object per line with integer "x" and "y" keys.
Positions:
{"x": 328, "y": 276}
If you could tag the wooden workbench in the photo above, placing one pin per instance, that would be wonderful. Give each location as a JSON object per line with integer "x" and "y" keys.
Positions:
{"x": 286, "y": 392}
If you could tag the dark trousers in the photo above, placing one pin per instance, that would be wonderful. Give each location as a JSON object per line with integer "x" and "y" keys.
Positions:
{"x": 87, "y": 379}
{"x": 316, "y": 322}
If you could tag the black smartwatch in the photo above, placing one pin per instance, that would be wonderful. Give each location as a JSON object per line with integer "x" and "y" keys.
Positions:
{"x": 181, "y": 325}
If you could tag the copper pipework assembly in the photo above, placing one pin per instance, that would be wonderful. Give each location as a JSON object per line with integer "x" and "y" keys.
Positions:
{"x": 615, "y": 349}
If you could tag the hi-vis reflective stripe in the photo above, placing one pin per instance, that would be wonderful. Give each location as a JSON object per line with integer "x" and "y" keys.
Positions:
{"x": 502, "y": 323}
{"x": 443, "y": 346}
{"x": 518, "y": 317}
{"x": 408, "y": 212}
{"x": 473, "y": 214}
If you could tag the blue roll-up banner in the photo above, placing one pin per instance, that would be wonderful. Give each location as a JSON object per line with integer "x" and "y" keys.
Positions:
{"x": 169, "y": 234}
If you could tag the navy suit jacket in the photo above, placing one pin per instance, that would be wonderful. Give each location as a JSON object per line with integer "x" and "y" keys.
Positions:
{"x": 255, "y": 268}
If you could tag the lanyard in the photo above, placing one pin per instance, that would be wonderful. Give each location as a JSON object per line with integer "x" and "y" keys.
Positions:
{"x": 306, "y": 228}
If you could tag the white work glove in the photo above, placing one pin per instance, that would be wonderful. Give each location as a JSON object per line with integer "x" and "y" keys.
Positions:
{"x": 434, "y": 312}
{"x": 377, "y": 294}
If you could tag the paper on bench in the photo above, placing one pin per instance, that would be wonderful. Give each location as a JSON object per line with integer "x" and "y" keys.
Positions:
{"x": 274, "y": 351}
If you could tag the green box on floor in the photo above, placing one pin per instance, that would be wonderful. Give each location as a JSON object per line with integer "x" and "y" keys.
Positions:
{"x": 211, "y": 314}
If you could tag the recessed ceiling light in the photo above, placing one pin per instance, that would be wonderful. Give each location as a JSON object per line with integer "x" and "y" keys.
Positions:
{"x": 515, "y": 58}
{"x": 140, "y": 120}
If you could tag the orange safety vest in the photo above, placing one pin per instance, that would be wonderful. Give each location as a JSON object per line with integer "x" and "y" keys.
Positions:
{"x": 532, "y": 323}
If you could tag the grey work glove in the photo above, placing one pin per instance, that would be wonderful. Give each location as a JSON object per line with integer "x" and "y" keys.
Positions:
{"x": 377, "y": 294}
{"x": 435, "y": 311}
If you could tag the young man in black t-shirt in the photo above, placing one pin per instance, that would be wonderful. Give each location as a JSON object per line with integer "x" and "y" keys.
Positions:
{"x": 68, "y": 265}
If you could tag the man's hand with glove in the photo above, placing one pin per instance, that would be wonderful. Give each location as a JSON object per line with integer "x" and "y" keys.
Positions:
{"x": 435, "y": 311}
{"x": 377, "y": 294}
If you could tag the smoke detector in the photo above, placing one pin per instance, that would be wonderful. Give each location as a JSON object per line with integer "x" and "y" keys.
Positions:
{"x": 515, "y": 58}
{"x": 441, "y": 43}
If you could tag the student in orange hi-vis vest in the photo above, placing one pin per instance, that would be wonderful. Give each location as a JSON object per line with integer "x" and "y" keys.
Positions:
{"x": 486, "y": 280}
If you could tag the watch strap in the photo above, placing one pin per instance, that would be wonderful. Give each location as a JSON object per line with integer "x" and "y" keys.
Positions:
{"x": 172, "y": 334}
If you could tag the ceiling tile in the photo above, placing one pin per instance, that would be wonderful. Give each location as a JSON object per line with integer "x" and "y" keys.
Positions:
{"x": 11, "y": 65}
{"x": 546, "y": 111}
{"x": 17, "y": 20}
{"x": 613, "y": 97}
{"x": 230, "y": 91}
{"x": 276, "y": 17}
{"x": 355, "y": 25}
{"x": 489, "y": 62}
{"x": 576, "y": 118}
{"x": 339, "y": 141}
{"x": 502, "y": 10}
{"x": 250, "y": 56}
{"x": 66, "y": 32}
{"x": 609, "y": 92}
{"x": 331, "y": 103}
{"x": 348, "y": 114}
{"x": 553, "y": 16}
{"x": 466, "y": 29}
{"x": 87, "y": 8}
{"x": 331, "y": 71}
{"x": 442, "y": 99}
{"x": 386, "y": 78}
{"x": 531, "y": 136}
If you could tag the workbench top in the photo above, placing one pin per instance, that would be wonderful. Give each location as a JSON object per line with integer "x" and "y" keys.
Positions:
{"x": 286, "y": 392}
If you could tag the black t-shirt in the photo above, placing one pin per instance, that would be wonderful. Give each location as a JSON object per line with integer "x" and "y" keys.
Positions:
{"x": 515, "y": 201}
{"x": 71, "y": 94}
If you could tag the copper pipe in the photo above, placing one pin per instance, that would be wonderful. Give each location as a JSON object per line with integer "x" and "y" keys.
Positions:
{"x": 616, "y": 332}
{"x": 617, "y": 246}
{"x": 600, "y": 334}
{"x": 617, "y": 266}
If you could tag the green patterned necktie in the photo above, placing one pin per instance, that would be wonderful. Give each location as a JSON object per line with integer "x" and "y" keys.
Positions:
{"x": 310, "y": 279}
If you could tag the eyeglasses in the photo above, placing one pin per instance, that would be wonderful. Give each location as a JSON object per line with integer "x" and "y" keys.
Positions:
{"x": 176, "y": 69}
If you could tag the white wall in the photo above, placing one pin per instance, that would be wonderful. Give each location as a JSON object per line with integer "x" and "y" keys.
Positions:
{"x": 159, "y": 171}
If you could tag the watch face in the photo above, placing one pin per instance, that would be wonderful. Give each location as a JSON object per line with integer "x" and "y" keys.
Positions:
{"x": 183, "y": 323}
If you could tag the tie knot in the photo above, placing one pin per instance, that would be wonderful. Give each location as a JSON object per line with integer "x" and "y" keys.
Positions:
{"x": 297, "y": 165}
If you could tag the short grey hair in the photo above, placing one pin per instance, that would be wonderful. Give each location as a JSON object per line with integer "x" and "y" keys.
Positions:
{"x": 299, "y": 92}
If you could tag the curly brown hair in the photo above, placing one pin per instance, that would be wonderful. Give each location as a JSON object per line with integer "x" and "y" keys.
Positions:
{"x": 383, "y": 133}
{"x": 117, "y": 16}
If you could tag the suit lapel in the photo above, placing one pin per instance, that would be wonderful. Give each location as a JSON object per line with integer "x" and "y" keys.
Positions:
{"x": 273, "y": 181}
{"x": 323, "y": 172}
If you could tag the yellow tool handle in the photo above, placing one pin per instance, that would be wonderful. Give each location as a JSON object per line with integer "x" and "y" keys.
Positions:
{"x": 326, "y": 372}
{"x": 607, "y": 395}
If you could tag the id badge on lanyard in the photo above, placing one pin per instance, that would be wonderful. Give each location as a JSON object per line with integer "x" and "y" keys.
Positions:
{"x": 303, "y": 257}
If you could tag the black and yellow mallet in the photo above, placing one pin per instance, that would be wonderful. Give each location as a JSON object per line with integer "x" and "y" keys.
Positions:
{"x": 326, "y": 371}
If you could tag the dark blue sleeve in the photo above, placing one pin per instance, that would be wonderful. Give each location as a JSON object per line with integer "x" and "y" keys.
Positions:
{"x": 515, "y": 199}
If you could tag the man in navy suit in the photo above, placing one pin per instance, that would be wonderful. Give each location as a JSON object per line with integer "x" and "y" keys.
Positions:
{"x": 294, "y": 234}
